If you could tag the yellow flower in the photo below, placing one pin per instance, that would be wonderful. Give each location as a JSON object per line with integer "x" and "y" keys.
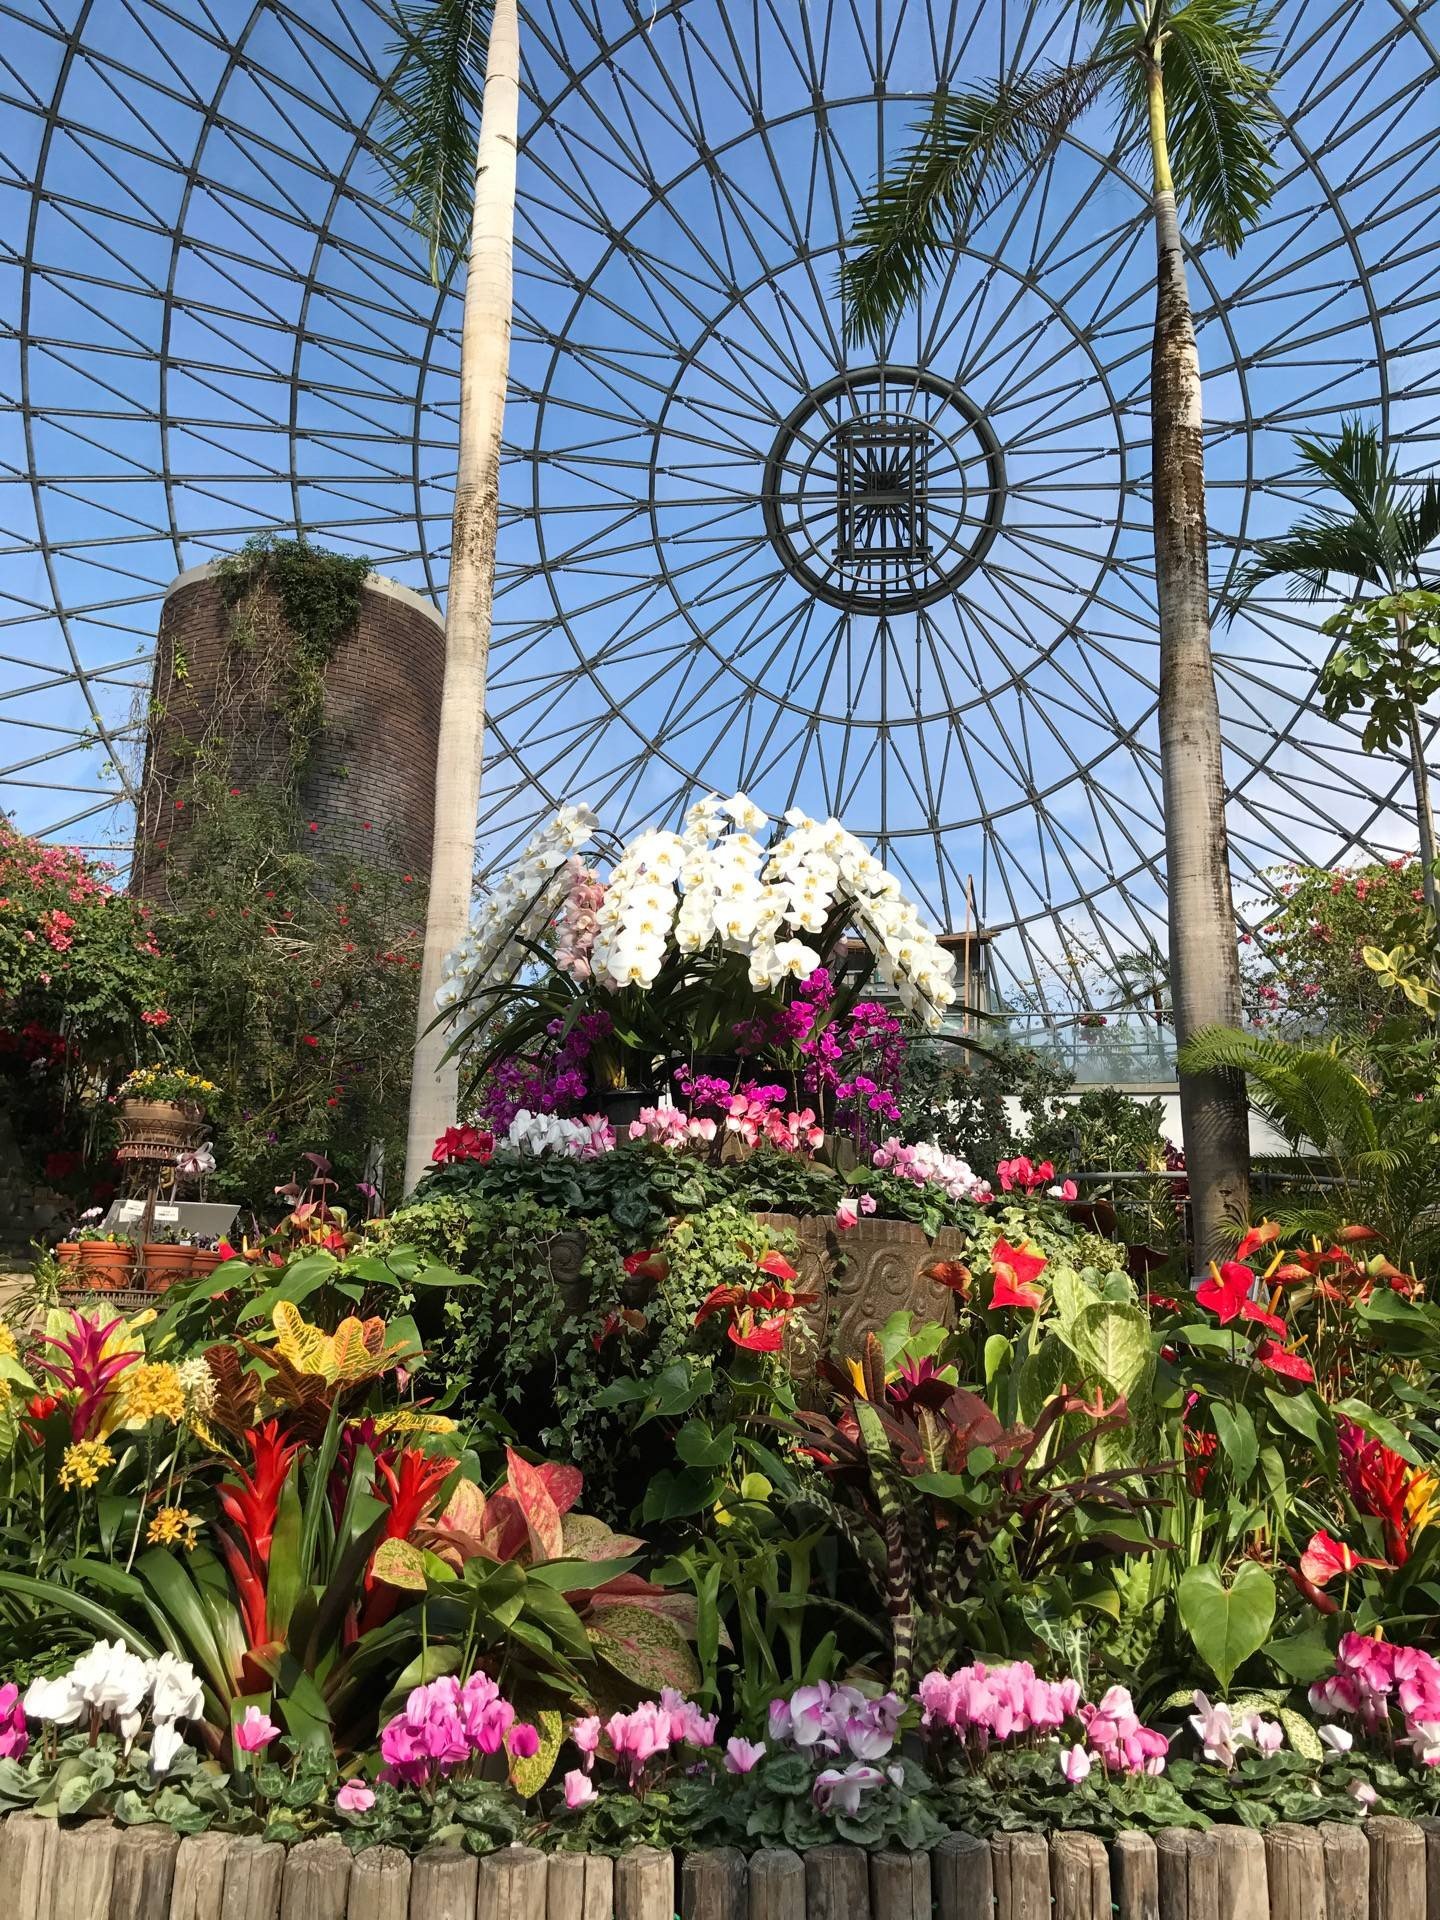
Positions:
{"x": 172, "y": 1527}
{"x": 84, "y": 1462}
{"x": 152, "y": 1390}
{"x": 1422, "y": 1500}
{"x": 8, "y": 1348}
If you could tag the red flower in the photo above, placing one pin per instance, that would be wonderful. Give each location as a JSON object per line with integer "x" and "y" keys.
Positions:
{"x": 773, "y": 1299}
{"x": 1324, "y": 1558}
{"x": 1260, "y": 1236}
{"x": 723, "y": 1299}
{"x": 463, "y": 1143}
{"x": 1226, "y": 1291}
{"x": 1281, "y": 1360}
{"x": 310, "y": 1040}
{"x": 758, "y": 1336}
{"x": 777, "y": 1267}
{"x": 1015, "y": 1269}
{"x": 648, "y": 1264}
{"x": 156, "y": 1017}
{"x": 1379, "y": 1484}
{"x": 253, "y": 1503}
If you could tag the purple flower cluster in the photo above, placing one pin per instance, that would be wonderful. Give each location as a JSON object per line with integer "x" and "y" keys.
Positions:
{"x": 556, "y": 1083}
{"x": 447, "y": 1725}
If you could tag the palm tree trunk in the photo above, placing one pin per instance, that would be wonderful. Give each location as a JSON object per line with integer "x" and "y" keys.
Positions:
{"x": 484, "y": 371}
{"x": 1204, "y": 954}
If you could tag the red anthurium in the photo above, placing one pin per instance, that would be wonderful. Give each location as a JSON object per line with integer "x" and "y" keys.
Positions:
{"x": 1263, "y": 1317}
{"x": 1324, "y": 1558}
{"x": 773, "y": 1299}
{"x": 1226, "y": 1291}
{"x": 646, "y": 1265}
{"x": 758, "y": 1336}
{"x": 1280, "y": 1360}
{"x": 778, "y": 1267}
{"x": 719, "y": 1300}
{"x": 1349, "y": 1234}
{"x": 1260, "y": 1236}
{"x": 1015, "y": 1270}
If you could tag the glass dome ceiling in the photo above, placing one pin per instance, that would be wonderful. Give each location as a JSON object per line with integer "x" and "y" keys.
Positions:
{"x": 914, "y": 588}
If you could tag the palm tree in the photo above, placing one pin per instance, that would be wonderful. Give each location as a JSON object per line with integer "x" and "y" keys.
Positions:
{"x": 1190, "y": 99}
{"x": 460, "y": 189}
{"x": 1377, "y": 540}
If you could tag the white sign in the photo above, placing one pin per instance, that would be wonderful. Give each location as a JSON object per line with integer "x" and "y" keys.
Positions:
{"x": 135, "y": 1210}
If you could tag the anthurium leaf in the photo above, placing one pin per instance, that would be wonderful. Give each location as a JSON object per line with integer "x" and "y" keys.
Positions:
{"x": 1227, "y": 1624}
{"x": 645, "y": 1646}
{"x": 1237, "y": 1435}
{"x": 1303, "y": 1657}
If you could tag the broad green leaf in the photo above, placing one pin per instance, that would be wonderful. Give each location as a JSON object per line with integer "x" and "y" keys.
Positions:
{"x": 1116, "y": 1343}
{"x": 1227, "y": 1624}
{"x": 1237, "y": 1435}
{"x": 1069, "y": 1295}
{"x": 998, "y": 1353}
{"x": 1302, "y": 1657}
{"x": 1379, "y": 1428}
{"x": 529, "y": 1776}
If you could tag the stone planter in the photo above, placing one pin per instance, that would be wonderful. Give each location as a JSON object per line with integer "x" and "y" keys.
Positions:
{"x": 865, "y": 1274}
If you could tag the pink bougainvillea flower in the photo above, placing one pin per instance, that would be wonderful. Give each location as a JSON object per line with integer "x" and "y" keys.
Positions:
{"x": 1016, "y": 1269}
{"x": 1324, "y": 1558}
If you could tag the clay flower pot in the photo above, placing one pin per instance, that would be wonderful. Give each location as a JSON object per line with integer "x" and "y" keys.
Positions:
{"x": 106, "y": 1264}
{"x": 163, "y": 1265}
{"x": 204, "y": 1260}
{"x": 67, "y": 1252}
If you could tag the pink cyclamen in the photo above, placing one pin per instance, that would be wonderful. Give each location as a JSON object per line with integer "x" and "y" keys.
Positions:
{"x": 355, "y": 1797}
{"x": 254, "y": 1731}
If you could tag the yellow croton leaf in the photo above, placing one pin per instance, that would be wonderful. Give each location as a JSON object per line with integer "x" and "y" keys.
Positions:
{"x": 306, "y": 1348}
{"x": 356, "y": 1351}
{"x": 408, "y": 1420}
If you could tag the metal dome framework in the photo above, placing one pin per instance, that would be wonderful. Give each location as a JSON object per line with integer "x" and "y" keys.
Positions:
{"x": 916, "y": 591}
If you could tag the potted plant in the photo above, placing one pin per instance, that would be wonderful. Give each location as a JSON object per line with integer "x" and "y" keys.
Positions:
{"x": 105, "y": 1259}
{"x": 205, "y": 1256}
{"x": 164, "y": 1260}
{"x": 162, "y": 1106}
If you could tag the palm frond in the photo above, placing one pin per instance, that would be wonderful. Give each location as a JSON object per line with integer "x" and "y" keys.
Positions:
{"x": 966, "y": 155}
{"x": 1217, "y": 112}
{"x": 1351, "y": 463}
{"x": 430, "y": 121}
{"x": 1315, "y": 553}
{"x": 1309, "y": 1094}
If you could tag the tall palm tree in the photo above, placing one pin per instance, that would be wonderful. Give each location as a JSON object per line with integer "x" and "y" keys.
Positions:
{"x": 1190, "y": 98}
{"x": 460, "y": 188}
{"x": 1378, "y": 541}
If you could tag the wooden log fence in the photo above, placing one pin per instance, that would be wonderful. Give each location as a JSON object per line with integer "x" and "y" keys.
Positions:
{"x": 1384, "y": 1870}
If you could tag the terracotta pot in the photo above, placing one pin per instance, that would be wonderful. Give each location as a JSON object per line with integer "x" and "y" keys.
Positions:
{"x": 106, "y": 1264}
{"x": 67, "y": 1252}
{"x": 204, "y": 1260}
{"x": 163, "y": 1265}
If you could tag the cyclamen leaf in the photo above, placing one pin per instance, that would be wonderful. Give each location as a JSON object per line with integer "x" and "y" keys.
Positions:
{"x": 645, "y": 1646}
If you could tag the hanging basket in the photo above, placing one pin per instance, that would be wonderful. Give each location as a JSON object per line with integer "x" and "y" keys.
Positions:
{"x": 158, "y": 1129}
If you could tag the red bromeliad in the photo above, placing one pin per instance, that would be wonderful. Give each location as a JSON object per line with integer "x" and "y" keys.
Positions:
{"x": 252, "y": 1507}
{"x": 1380, "y": 1484}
